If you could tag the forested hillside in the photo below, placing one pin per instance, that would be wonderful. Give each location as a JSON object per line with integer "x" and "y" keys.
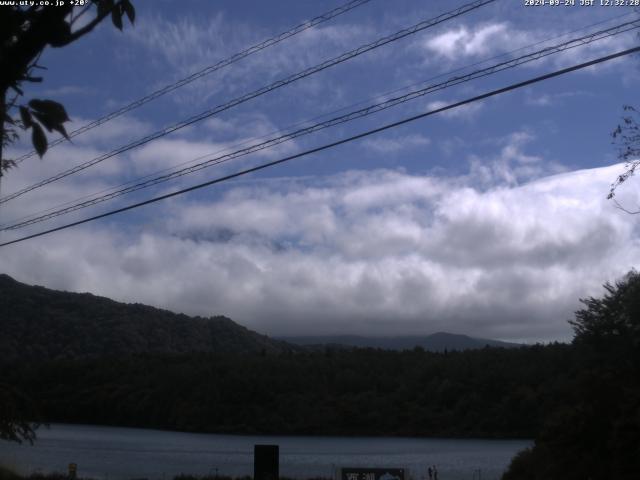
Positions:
{"x": 38, "y": 324}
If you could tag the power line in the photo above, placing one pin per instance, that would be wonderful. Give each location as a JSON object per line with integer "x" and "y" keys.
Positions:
{"x": 261, "y": 91}
{"x": 334, "y": 144}
{"x": 206, "y": 71}
{"x": 375, "y": 108}
{"x": 318, "y": 117}
{"x": 58, "y": 209}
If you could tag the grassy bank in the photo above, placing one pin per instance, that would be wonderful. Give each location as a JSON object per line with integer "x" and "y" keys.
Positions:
{"x": 7, "y": 473}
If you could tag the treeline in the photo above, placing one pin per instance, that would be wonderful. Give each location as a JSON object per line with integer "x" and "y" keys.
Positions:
{"x": 492, "y": 392}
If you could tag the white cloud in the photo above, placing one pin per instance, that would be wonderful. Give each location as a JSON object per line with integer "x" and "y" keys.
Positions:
{"x": 551, "y": 99}
{"x": 70, "y": 91}
{"x": 169, "y": 153}
{"x": 600, "y": 48}
{"x": 111, "y": 134}
{"x": 216, "y": 140}
{"x": 154, "y": 159}
{"x": 465, "y": 112}
{"x": 192, "y": 44}
{"x": 487, "y": 40}
{"x": 463, "y": 41}
{"x": 58, "y": 159}
{"x": 362, "y": 252}
{"x": 512, "y": 165}
{"x": 396, "y": 144}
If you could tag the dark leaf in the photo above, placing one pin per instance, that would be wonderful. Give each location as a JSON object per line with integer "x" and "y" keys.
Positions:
{"x": 8, "y": 119}
{"x": 104, "y": 7}
{"x": 39, "y": 140}
{"x": 25, "y": 116}
{"x": 45, "y": 120}
{"x": 127, "y": 7}
{"x": 62, "y": 131}
{"x": 53, "y": 110}
{"x": 50, "y": 125}
{"x": 116, "y": 17}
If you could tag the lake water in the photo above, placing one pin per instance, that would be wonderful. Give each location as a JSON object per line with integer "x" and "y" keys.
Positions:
{"x": 125, "y": 453}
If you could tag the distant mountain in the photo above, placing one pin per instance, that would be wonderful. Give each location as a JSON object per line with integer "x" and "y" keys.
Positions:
{"x": 37, "y": 323}
{"x": 436, "y": 342}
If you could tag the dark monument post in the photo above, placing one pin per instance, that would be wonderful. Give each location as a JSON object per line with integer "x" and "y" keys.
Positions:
{"x": 73, "y": 471}
{"x": 266, "y": 462}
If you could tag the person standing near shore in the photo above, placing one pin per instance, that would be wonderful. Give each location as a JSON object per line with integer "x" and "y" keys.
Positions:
{"x": 435, "y": 473}
{"x": 430, "y": 473}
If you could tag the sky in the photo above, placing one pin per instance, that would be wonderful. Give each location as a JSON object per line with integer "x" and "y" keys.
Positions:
{"x": 490, "y": 219}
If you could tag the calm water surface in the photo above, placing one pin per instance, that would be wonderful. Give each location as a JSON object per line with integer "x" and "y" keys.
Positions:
{"x": 125, "y": 453}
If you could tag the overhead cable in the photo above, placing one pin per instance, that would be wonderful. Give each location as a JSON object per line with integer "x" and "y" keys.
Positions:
{"x": 333, "y": 144}
{"x": 362, "y": 112}
{"x": 261, "y": 91}
{"x": 206, "y": 71}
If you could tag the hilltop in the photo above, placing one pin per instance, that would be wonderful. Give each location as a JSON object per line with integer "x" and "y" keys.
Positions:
{"x": 40, "y": 324}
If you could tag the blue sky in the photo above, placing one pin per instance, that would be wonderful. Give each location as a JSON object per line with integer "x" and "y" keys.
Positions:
{"x": 490, "y": 219}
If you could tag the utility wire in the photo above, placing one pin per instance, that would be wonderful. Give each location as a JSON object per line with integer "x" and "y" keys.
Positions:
{"x": 334, "y": 144}
{"x": 318, "y": 117}
{"x": 380, "y": 96}
{"x": 391, "y": 102}
{"x": 261, "y": 91}
{"x": 385, "y": 95}
{"x": 206, "y": 71}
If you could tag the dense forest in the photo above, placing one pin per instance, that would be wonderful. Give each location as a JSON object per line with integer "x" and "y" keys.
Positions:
{"x": 483, "y": 393}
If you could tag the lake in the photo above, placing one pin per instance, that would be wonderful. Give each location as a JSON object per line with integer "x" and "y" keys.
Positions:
{"x": 125, "y": 453}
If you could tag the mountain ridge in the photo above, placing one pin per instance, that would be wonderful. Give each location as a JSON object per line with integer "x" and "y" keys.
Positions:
{"x": 41, "y": 324}
{"x": 435, "y": 342}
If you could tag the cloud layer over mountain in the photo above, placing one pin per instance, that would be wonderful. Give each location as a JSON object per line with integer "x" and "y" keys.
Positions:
{"x": 378, "y": 252}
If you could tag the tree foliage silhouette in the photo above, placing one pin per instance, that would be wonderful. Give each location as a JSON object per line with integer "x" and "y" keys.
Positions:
{"x": 627, "y": 136}
{"x": 18, "y": 415}
{"x": 25, "y": 31}
{"x": 596, "y": 433}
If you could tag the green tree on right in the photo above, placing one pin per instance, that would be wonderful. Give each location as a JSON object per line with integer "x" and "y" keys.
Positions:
{"x": 595, "y": 434}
